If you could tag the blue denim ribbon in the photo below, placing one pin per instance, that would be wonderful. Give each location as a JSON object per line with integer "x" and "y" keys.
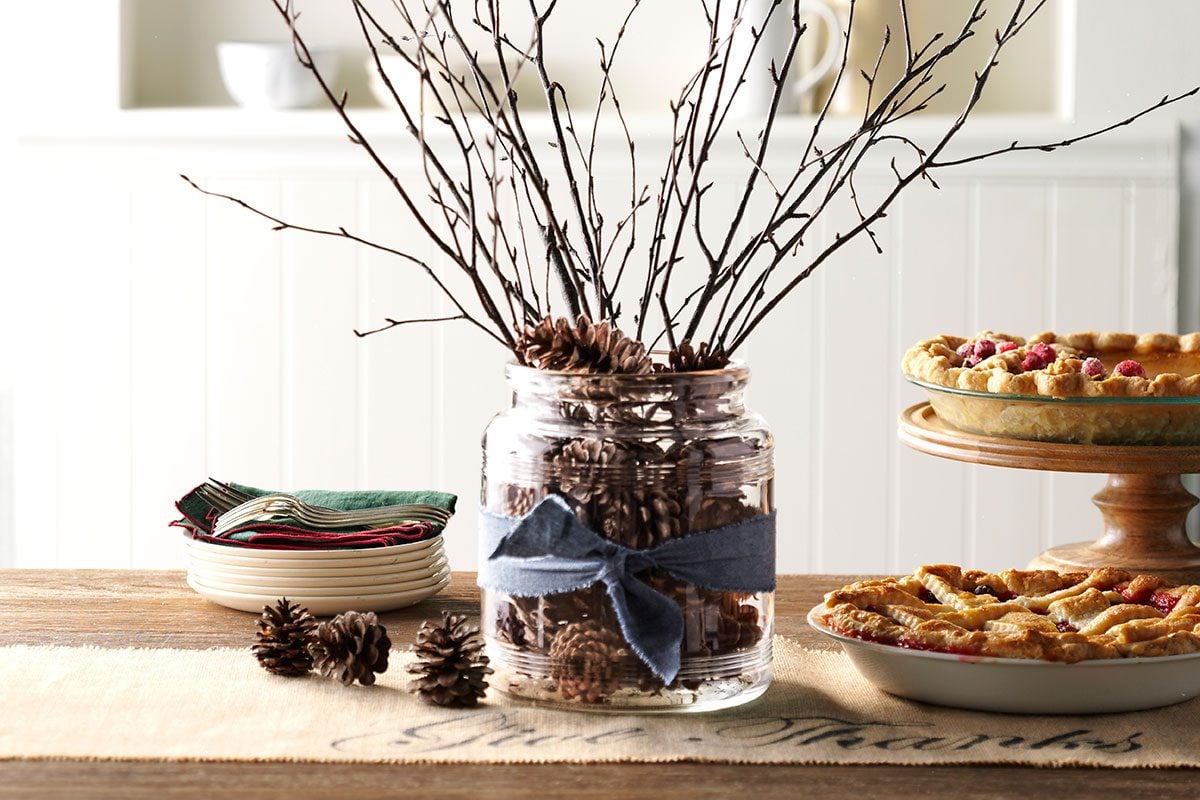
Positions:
{"x": 549, "y": 551}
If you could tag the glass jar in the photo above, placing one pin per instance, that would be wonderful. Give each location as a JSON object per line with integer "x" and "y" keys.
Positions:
{"x": 639, "y": 459}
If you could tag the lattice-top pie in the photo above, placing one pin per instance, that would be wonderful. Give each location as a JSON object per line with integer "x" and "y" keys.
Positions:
{"x": 1106, "y": 613}
{"x": 1085, "y": 364}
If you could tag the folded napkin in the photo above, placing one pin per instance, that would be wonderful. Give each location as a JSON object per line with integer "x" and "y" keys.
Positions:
{"x": 285, "y": 533}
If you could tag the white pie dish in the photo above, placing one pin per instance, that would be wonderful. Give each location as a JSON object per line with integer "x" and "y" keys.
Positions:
{"x": 1022, "y": 686}
{"x": 323, "y": 606}
{"x": 220, "y": 577}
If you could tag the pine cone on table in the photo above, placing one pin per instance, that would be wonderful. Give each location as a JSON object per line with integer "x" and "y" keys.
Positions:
{"x": 585, "y": 661}
{"x": 351, "y": 647}
{"x": 582, "y": 346}
{"x": 284, "y": 631}
{"x": 686, "y": 358}
{"x": 451, "y": 666}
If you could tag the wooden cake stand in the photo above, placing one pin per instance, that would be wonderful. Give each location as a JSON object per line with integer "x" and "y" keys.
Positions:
{"x": 1144, "y": 504}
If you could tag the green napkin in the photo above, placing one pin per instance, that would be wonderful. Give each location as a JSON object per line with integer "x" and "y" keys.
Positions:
{"x": 201, "y": 516}
{"x": 359, "y": 499}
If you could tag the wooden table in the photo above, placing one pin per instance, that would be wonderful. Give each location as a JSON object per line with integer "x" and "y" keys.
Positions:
{"x": 157, "y": 609}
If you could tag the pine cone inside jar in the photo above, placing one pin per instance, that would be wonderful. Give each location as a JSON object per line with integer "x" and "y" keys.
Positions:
{"x": 686, "y": 358}
{"x": 283, "y": 635}
{"x": 517, "y": 501}
{"x": 351, "y": 647}
{"x": 545, "y": 617}
{"x": 712, "y": 466}
{"x": 714, "y": 623}
{"x": 581, "y": 346}
{"x": 718, "y": 511}
{"x": 510, "y": 627}
{"x": 451, "y": 667}
{"x": 583, "y": 467}
{"x": 738, "y": 625}
{"x": 585, "y": 661}
{"x": 660, "y": 516}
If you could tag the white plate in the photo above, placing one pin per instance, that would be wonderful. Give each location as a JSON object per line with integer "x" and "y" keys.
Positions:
{"x": 433, "y": 556}
{"x": 419, "y": 581}
{"x": 211, "y": 573}
{"x": 1022, "y": 686}
{"x": 253, "y": 562}
{"x": 312, "y": 555}
{"x": 323, "y": 606}
{"x": 248, "y": 557}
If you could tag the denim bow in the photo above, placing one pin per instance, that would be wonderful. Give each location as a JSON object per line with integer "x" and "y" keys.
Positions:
{"x": 549, "y": 551}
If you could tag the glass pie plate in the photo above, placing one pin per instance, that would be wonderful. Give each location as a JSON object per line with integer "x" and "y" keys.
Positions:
{"x": 1072, "y": 420}
{"x": 1020, "y": 685}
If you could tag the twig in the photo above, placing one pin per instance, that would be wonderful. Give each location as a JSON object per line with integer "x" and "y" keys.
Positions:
{"x": 395, "y": 323}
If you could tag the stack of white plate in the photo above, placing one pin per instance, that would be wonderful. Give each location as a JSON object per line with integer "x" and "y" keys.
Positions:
{"x": 325, "y": 581}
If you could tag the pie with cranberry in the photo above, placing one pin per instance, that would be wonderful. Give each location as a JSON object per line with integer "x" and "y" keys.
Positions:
{"x": 1067, "y": 617}
{"x": 1084, "y": 364}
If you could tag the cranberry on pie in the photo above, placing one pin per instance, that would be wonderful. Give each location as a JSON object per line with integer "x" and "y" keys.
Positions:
{"x": 1068, "y": 617}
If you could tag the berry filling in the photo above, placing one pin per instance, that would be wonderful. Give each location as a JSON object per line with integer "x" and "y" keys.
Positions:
{"x": 1004, "y": 347}
{"x": 903, "y": 642}
{"x": 1164, "y": 602}
{"x": 927, "y": 596}
{"x": 1066, "y": 627}
{"x": 965, "y": 349}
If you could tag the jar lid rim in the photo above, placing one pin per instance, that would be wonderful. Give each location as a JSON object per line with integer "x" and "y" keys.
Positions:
{"x": 734, "y": 370}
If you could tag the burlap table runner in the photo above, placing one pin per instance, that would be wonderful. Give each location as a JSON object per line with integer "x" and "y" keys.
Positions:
{"x": 218, "y": 705}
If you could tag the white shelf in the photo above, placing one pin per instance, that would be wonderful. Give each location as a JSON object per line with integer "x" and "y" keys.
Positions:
{"x": 168, "y": 49}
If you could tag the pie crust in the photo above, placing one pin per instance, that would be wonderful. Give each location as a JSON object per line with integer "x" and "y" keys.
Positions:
{"x": 1067, "y": 617}
{"x": 1171, "y": 364}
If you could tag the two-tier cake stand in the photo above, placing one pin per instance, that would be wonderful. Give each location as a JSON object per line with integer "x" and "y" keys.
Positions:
{"x": 1144, "y": 504}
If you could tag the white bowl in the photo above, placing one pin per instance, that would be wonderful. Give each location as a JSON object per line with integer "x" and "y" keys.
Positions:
{"x": 215, "y": 576}
{"x": 320, "y": 605}
{"x": 1022, "y": 686}
{"x": 268, "y": 75}
{"x": 409, "y": 88}
{"x": 404, "y": 80}
{"x": 296, "y": 590}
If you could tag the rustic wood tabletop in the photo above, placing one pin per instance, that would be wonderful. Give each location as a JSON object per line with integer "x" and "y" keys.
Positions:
{"x": 110, "y": 608}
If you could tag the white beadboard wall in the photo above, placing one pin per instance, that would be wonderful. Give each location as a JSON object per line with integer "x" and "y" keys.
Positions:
{"x": 166, "y": 337}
